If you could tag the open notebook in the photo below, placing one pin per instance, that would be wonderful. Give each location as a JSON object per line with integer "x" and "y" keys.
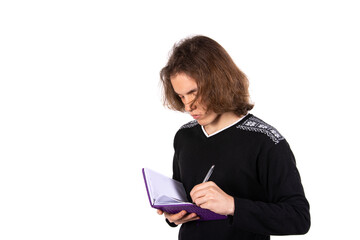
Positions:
{"x": 169, "y": 195}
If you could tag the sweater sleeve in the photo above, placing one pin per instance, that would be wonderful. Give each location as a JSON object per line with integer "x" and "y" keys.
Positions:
{"x": 286, "y": 210}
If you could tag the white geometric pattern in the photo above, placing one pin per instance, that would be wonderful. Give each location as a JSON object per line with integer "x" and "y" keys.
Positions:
{"x": 190, "y": 124}
{"x": 254, "y": 124}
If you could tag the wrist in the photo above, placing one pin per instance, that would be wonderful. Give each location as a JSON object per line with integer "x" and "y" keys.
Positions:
{"x": 231, "y": 209}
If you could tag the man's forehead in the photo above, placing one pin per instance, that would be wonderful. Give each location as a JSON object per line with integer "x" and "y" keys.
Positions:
{"x": 183, "y": 84}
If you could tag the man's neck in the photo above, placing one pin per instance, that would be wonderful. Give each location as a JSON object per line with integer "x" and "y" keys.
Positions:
{"x": 222, "y": 121}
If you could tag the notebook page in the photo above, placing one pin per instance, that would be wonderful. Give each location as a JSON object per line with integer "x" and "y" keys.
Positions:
{"x": 160, "y": 185}
{"x": 165, "y": 200}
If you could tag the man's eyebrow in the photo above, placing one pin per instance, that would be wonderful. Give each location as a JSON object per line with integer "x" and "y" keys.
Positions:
{"x": 192, "y": 91}
{"x": 189, "y": 92}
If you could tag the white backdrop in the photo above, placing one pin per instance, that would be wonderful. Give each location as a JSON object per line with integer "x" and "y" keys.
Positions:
{"x": 81, "y": 110}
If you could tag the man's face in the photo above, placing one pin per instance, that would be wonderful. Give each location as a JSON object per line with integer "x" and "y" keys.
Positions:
{"x": 186, "y": 88}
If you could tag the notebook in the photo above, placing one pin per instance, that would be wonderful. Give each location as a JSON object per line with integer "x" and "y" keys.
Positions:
{"x": 169, "y": 196}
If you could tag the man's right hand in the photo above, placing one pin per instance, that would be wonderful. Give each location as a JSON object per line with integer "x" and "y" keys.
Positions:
{"x": 180, "y": 217}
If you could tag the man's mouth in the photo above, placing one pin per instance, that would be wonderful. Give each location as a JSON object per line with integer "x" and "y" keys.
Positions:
{"x": 195, "y": 116}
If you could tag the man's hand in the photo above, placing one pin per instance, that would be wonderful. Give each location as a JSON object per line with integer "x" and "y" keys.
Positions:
{"x": 208, "y": 195}
{"x": 179, "y": 218}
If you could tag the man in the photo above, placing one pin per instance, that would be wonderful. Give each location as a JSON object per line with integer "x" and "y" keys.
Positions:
{"x": 255, "y": 180}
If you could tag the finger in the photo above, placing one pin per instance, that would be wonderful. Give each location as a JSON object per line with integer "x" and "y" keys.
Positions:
{"x": 201, "y": 200}
{"x": 197, "y": 187}
{"x": 208, "y": 192}
{"x": 207, "y": 205}
{"x": 188, "y": 218}
{"x": 176, "y": 216}
{"x": 198, "y": 194}
{"x": 201, "y": 187}
{"x": 180, "y": 215}
{"x": 205, "y": 185}
{"x": 159, "y": 212}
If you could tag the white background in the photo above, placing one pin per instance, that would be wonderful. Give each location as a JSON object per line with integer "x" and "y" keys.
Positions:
{"x": 81, "y": 110}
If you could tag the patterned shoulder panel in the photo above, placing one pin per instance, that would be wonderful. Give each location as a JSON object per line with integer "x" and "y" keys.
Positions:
{"x": 190, "y": 124}
{"x": 254, "y": 124}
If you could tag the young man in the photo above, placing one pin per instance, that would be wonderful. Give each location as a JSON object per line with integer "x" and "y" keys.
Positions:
{"x": 255, "y": 180}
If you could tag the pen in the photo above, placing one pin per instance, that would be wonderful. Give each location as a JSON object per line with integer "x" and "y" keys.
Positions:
{"x": 209, "y": 174}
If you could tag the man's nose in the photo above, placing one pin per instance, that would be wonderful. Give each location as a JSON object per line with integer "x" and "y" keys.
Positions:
{"x": 189, "y": 105}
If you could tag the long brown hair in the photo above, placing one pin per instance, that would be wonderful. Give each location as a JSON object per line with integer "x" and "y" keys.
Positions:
{"x": 222, "y": 86}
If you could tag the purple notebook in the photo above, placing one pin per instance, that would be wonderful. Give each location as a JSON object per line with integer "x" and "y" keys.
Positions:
{"x": 169, "y": 196}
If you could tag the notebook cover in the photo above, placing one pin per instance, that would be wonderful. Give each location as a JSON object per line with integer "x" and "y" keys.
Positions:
{"x": 204, "y": 214}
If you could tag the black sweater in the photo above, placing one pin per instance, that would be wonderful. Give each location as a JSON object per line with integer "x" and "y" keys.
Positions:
{"x": 255, "y": 165}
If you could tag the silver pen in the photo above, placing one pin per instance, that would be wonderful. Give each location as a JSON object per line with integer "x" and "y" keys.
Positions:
{"x": 209, "y": 174}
